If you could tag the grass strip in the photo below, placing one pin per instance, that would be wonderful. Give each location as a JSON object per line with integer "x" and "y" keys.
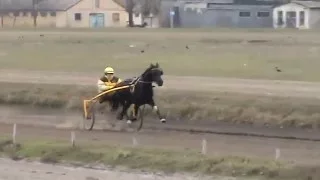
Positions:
{"x": 156, "y": 160}
{"x": 225, "y": 53}
{"x": 180, "y": 105}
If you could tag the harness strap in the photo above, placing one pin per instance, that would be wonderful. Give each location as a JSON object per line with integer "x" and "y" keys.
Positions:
{"x": 146, "y": 82}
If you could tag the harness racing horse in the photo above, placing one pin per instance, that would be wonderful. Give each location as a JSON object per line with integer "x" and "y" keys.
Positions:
{"x": 140, "y": 93}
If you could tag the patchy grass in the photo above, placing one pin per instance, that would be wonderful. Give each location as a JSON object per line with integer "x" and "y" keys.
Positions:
{"x": 226, "y": 53}
{"x": 157, "y": 160}
{"x": 186, "y": 106}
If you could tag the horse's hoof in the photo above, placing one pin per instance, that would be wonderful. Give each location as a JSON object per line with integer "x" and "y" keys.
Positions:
{"x": 129, "y": 122}
{"x": 163, "y": 120}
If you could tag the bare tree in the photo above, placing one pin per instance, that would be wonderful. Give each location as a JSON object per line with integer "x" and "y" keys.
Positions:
{"x": 130, "y": 4}
{"x": 150, "y": 7}
{"x": 35, "y": 6}
{"x": 146, "y": 8}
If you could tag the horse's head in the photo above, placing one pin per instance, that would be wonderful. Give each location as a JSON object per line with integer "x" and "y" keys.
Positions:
{"x": 153, "y": 74}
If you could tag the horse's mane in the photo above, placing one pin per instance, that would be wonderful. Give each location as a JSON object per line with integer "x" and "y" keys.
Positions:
{"x": 149, "y": 68}
{"x": 130, "y": 80}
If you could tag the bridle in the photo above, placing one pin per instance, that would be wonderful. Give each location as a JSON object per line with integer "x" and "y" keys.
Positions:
{"x": 144, "y": 82}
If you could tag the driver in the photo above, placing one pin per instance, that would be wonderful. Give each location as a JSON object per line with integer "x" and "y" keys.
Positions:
{"x": 106, "y": 82}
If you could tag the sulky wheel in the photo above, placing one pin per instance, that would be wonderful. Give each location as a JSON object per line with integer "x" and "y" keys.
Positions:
{"x": 88, "y": 123}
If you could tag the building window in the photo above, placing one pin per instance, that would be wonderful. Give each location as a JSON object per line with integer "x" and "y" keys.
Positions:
{"x": 97, "y": 3}
{"x": 244, "y": 14}
{"x": 43, "y": 14}
{"x": 24, "y": 14}
{"x": 77, "y": 16}
{"x": 263, "y": 14}
{"x": 115, "y": 17}
{"x": 16, "y": 14}
{"x": 53, "y": 14}
{"x": 301, "y": 16}
{"x": 280, "y": 18}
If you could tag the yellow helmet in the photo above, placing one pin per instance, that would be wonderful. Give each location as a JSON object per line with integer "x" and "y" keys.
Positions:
{"x": 108, "y": 70}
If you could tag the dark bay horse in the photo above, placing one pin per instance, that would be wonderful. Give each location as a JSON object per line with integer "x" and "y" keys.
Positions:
{"x": 140, "y": 93}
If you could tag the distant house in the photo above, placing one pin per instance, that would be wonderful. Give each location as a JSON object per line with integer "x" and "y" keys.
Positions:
{"x": 297, "y": 14}
{"x": 152, "y": 21}
{"x": 62, "y": 13}
{"x": 220, "y": 13}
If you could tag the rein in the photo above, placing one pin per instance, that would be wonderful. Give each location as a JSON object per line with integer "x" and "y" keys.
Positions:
{"x": 144, "y": 82}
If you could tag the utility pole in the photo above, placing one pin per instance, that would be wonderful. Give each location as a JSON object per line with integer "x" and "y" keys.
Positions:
{"x": 172, "y": 13}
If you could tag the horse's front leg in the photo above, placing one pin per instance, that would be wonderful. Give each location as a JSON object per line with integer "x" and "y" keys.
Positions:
{"x": 156, "y": 109}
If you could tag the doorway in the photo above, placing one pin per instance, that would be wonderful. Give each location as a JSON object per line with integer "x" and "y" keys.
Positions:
{"x": 291, "y": 19}
{"x": 96, "y": 20}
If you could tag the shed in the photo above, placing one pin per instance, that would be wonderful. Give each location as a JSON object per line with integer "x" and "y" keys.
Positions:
{"x": 226, "y": 13}
{"x": 227, "y": 16}
{"x": 297, "y": 14}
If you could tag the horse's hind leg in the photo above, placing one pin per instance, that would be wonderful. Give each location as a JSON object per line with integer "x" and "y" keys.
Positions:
{"x": 135, "y": 112}
{"x": 114, "y": 105}
{"x": 125, "y": 106}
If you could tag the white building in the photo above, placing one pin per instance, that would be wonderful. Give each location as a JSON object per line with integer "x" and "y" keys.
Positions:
{"x": 297, "y": 14}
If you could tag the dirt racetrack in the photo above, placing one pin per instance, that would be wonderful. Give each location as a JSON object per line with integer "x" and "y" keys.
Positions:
{"x": 51, "y": 125}
{"x": 44, "y": 125}
{"x": 249, "y": 86}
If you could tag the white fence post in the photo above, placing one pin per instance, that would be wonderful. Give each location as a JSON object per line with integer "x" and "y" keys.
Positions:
{"x": 14, "y": 133}
{"x": 134, "y": 141}
{"x": 73, "y": 139}
{"x": 204, "y": 146}
{"x": 277, "y": 153}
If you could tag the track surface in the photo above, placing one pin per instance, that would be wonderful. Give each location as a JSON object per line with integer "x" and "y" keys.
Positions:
{"x": 292, "y": 150}
{"x": 32, "y": 171}
{"x": 265, "y": 87}
{"x": 48, "y": 124}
